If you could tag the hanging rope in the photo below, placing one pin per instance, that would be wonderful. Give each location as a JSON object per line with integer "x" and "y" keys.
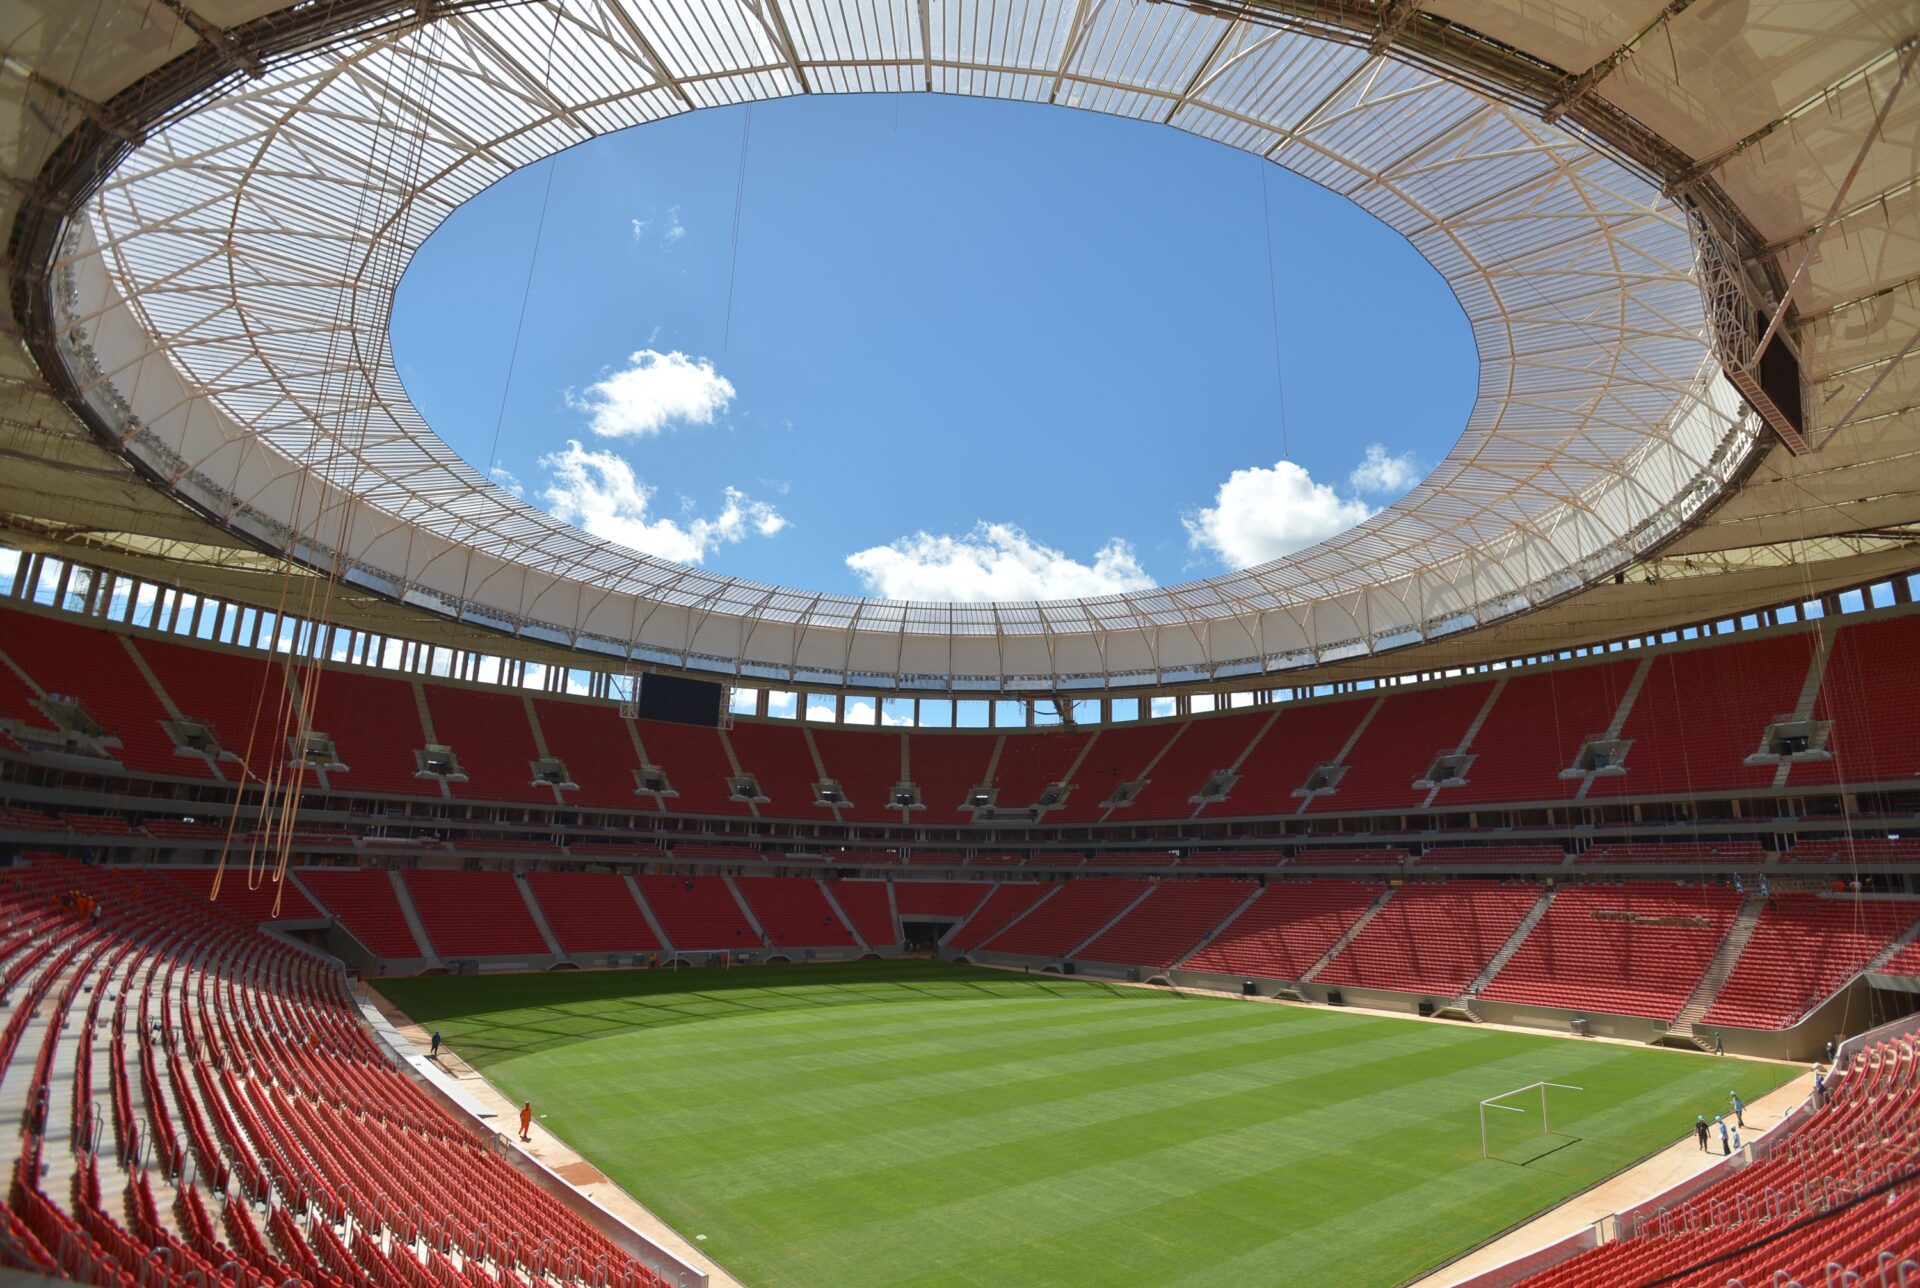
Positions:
{"x": 1273, "y": 308}
{"x": 739, "y": 200}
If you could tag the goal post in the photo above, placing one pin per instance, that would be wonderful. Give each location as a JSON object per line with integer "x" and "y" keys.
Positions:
{"x": 1493, "y": 1102}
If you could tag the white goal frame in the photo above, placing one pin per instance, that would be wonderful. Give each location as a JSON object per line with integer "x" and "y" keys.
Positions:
{"x": 1493, "y": 1102}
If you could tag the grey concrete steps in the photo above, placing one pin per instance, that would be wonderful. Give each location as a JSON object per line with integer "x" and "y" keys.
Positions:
{"x": 1353, "y": 933}
{"x": 1512, "y": 946}
{"x": 1722, "y": 965}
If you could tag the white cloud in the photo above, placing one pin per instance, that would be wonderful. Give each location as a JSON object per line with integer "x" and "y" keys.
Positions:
{"x": 653, "y": 390}
{"x": 1379, "y": 472}
{"x": 1260, "y": 514}
{"x": 505, "y": 478}
{"x": 669, "y": 235}
{"x": 860, "y": 711}
{"x": 994, "y": 561}
{"x": 600, "y": 492}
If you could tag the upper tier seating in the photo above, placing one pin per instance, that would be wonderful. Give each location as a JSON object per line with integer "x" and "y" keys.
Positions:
{"x": 1701, "y": 712}
{"x": 794, "y": 912}
{"x": 1432, "y": 938}
{"x": 1804, "y": 947}
{"x": 363, "y": 900}
{"x": 70, "y": 658}
{"x": 1399, "y": 744}
{"x": 867, "y": 764}
{"x": 1703, "y": 708}
{"x": 1876, "y": 723}
{"x": 374, "y": 722}
{"x": 1304, "y": 737}
{"x": 474, "y": 914}
{"x": 869, "y": 907}
{"x": 1535, "y": 730}
{"x": 1287, "y": 929}
{"x": 262, "y": 1098}
{"x": 1637, "y": 949}
{"x": 780, "y": 758}
{"x": 493, "y": 741}
{"x": 1009, "y": 900}
{"x": 1208, "y": 744}
{"x": 593, "y": 912}
{"x": 1169, "y": 923}
{"x": 247, "y": 898}
{"x": 945, "y": 766}
{"x": 1119, "y": 755}
{"x": 697, "y": 769}
{"x": 591, "y": 740}
{"x": 1029, "y": 763}
{"x": 1813, "y": 1208}
{"x": 1062, "y": 923}
{"x": 236, "y": 695}
{"x": 698, "y": 914}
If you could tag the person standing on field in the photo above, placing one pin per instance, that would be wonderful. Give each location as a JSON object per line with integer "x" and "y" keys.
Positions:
{"x": 1726, "y": 1146}
{"x": 526, "y": 1122}
{"x": 1739, "y": 1108}
{"x": 1700, "y": 1130}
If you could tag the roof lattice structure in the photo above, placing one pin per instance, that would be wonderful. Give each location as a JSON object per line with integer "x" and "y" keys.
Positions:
{"x": 218, "y": 301}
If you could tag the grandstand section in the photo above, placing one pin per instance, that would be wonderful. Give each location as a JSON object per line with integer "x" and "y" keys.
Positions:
{"x": 593, "y": 912}
{"x": 1432, "y": 938}
{"x": 354, "y": 793}
{"x": 1634, "y": 949}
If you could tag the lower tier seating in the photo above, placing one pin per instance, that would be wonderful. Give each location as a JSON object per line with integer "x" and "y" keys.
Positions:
{"x": 249, "y": 1130}
{"x": 1009, "y": 901}
{"x": 364, "y": 901}
{"x": 1804, "y": 947}
{"x": 1432, "y": 938}
{"x": 1822, "y": 1203}
{"x": 698, "y": 914}
{"x": 1636, "y": 949}
{"x": 1281, "y": 934}
{"x": 474, "y": 914}
{"x": 794, "y": 912}
{"x": 1169, "y": 923}
{"x": 252, "y": 896}
{"x": 593, "y": 912}
{"x": 869, "y": 908}
{"x": 1068, "y": 919}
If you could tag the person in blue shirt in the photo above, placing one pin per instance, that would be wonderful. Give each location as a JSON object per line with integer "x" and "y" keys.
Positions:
{"x": 1739, "y": 1108}
{"x": 1725, "y": 1146}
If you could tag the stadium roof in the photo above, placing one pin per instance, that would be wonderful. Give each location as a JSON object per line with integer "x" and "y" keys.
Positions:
{"x": 213, "y": 203}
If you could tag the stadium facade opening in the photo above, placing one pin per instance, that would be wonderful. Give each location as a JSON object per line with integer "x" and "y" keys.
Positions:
{"x": 233, "y": 364}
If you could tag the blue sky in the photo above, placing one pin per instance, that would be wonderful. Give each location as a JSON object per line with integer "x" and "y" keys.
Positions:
{"x": 973, "y": 349}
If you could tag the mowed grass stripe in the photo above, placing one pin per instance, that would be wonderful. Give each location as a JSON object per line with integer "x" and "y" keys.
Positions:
{"x": 917, "y": 1123}
{"x": 980, "y": 1080}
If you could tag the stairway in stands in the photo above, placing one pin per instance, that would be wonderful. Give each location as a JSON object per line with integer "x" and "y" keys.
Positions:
{"x": 1353, "y": 932}
{"x": 1464, "y": 1002}
{"x": 1723, "y": 962}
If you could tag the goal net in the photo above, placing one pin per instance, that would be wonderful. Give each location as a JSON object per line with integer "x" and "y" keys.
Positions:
{"x": 1517, "y": 1126}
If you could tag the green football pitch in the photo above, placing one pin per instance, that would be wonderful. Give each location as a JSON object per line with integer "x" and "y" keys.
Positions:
{"x": 916, "y": 1123}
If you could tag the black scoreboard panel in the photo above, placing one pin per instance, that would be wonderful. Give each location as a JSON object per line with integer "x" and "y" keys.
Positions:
{"x": 676, "y": 698}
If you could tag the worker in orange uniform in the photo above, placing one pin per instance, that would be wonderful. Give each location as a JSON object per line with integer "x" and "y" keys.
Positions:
{"x": 526, "y": 1121}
